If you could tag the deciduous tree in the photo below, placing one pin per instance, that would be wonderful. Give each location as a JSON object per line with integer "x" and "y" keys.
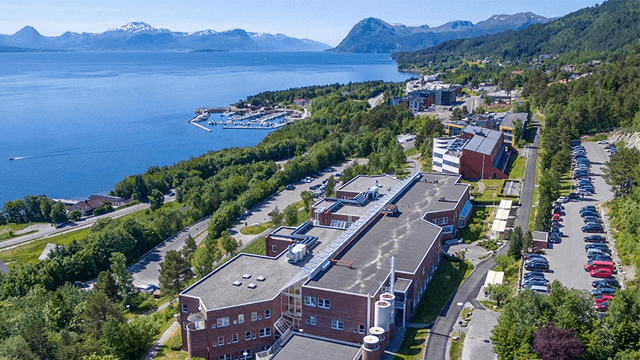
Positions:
{"x": 551, "y": 343}
{"x": 276, "y": 216}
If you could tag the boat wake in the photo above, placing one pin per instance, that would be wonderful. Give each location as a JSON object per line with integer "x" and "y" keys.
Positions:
{"x": 67, "y": 153}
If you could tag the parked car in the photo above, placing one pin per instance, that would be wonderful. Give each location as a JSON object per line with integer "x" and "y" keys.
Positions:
{"x": 603, "y": 142}
{"x": 534, "y": 281}
{"x": 606, "y": 282}
{"x": 600, "y": 273}
{"x": 596, "y": 246}
{"x": 589, "y": 212}
{"x": 536, "y": 267}
{"x": 290, "y": 187}
{"x": 588, "y": 208}
{"x": 603, "y": 306}
{"x": 532, "y": 274}
{"x": 594, "y": 264}
{"x": 599, "y": 258}
{"x": 562, "y": 199}
{"x": 573, "y": 196}
{"x": 593, "y": 228}
{"x": 595, "y": 239}
{"x": 603, "y": 291}
{"x": 602, "y": 298}
{"x": 584, "y": 192}
{"x": 592, "y": 219}
{"x": 555, "y": 238}
{"x": 529, "y": 256}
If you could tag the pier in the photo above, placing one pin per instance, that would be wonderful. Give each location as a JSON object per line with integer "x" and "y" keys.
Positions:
{"x": 211, "y": 110}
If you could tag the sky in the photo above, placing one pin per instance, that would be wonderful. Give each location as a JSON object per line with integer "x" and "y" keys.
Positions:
{"x": 327, "y": 21}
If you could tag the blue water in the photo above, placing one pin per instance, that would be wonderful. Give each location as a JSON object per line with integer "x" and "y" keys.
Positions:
{"x": 84, "y": 121}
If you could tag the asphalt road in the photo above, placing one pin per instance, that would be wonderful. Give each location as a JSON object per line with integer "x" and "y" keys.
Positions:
{"x": 567, "y": 259}
{"x": 46, "y": 231}
{"x": 439, "y": 335}
{"x": 147, "y": 270}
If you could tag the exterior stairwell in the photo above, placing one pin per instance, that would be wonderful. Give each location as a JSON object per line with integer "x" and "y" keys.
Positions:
{"x": 283, "y": 326}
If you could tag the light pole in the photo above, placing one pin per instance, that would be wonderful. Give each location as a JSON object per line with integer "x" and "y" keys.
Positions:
{"x": 245, "y": 354}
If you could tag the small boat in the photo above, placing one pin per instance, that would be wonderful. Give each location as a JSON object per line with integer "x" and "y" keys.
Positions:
{"x": 11, "y": 158}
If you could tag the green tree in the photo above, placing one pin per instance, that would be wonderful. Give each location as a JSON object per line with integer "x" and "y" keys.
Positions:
{"x": 97, "y": 308}
{"x": 95, "y": 356}
{"x": 122, "y": 277}
{"x": 330, "y": 186}
{"x": 173, "y": 270}
{"x": 517, "y": 130}
{"x": 499, "y": 292}
{"x": 503, "y": 261}
{"x": 129, "y": 340}
{"x": 228, "y": 243}
{"x": 74, "y": 215}
{"x": 108, "y": 286}
{"x": 307, "y": 199}
{"x": 290, "y": 215}
{"x": 515, "y": 242}
{"x": 156, "y": 199}
{"x": 189, "y": 248}
{"x": 622, "y": 171}
{"x": 527, "y": 242}
{"x": 140, "y": 191}
{"x": 204, "y": 258}
{"x": 276, "y": 217}
{"x": 58, "y": 214}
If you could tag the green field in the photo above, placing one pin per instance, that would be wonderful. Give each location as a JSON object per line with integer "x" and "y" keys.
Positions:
{"x": 413, "y": 344}
{"x": 30, "y": 252}
{"x": 517, "y": 167}
{"x": 256, "y": 229}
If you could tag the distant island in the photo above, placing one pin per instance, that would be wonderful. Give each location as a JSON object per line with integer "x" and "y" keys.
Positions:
{"x": 140, "y": 36}
{"x": 373, "y": 35}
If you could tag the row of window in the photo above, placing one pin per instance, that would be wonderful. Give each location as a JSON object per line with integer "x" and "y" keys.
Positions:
{"x": 246, "y": 354}
{"x": 335, "y": 324}
{"x": 247, "y": 337}
{"x": 441, "y": 221}
{"x": 451, "y": 163}
{"x": 321, "y": 303}
{"x": 222, "y": 322}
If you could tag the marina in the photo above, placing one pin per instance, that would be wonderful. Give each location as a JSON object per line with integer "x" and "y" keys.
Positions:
{"x": 233, "y": 118}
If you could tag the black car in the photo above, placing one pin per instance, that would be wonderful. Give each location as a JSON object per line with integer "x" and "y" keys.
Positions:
{"x": 529, "y": 256}
{"x": 603, "y": 291}
{"x": 599, "y": 258}
{"x": 589, "y": 213}
{"x": 596, "y": 246}
{"x": 593, "y": 228}
{"x": 536, "y": 267}
{"x": 532, "y": 274}
{"x": 592, "y": 219}
{"x": 595, "y": 239}
{"x": 554, "y": 238}
{"x": 606, "y": 282}
{"x": 573, "y": 195}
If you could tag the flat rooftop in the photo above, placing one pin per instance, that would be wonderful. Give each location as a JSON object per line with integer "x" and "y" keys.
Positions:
{"x": 511, "y": 118}
{"x": 308, "y": 348}
{"x": 216, "y": 290}
{"x": 362, "y": 183}
{"x": 407, "y": 237}
{"x": 483, "y": 141}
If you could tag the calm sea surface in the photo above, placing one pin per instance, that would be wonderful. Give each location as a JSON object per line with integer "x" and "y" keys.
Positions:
{"x": 84, "y": 121}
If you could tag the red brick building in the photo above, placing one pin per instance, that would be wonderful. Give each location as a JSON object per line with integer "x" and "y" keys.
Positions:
{"x": 326, "y": 281}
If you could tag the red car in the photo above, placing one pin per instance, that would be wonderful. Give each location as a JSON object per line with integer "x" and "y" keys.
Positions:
{"x": 555, "y": 217}
{"x": 603, "y": 299}
{"x": 603, "y": 306}
{"x": 600, "y": 273}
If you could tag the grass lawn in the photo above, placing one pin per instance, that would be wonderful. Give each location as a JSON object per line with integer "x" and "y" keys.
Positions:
{"x": 529, "y": 133}
{"x": 412, "y": 151}
{"x": 8, "y": 231}
{"x": 256, "y": 229}
{"x": 30, "y": 252}
{"x": 167, "y": 351}
{"x": 455, "y": 352}
{"x": 445, "y": 283}
{"x": 474, "y": 230}
{"x": 256, "y": 247}
{"x": 413, "y": 344}
{"x": 535, "y": 196}
{"x": 492, "y": 186}
{"x": 517, "y": 167}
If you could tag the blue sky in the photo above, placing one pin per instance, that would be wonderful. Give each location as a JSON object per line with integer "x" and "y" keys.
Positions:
{"x": 328, "y": 21}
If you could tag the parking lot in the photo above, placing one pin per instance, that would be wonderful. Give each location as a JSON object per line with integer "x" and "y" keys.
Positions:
{"x": 567, "y": 259}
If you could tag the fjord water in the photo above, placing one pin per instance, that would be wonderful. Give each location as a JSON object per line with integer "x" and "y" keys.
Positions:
{"x": 80, "y": 122}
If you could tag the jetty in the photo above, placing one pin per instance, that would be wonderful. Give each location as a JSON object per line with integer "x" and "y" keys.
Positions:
{"x": 211, "y": 110}
{"x": 201, "y": 117}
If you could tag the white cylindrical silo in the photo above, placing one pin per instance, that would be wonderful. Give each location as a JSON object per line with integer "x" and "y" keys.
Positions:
{"x": 382, "y": 314}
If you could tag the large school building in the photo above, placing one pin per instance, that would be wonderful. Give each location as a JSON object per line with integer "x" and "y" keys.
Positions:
{"x": 343, "y": 279}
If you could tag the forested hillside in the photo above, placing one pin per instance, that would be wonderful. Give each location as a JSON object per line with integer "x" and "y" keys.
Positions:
{"x": 601, "y": 31}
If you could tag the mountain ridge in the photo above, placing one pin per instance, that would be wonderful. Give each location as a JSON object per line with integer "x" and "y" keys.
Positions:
{"x": 375, "y": 35}
{"x": 140, "y": 36}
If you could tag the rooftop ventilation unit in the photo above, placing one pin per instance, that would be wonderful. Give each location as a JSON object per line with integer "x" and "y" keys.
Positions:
{"x": 237, "y": 283}
{"x": 246, "y": 276}
{"x": 252, "y": 286}
{"x": 261, "y": 278}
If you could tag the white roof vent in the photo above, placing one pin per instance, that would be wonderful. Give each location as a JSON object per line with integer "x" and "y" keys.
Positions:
{"x": 261, "y": 278}
{"x": 252, "y": 286}
{"x": 237, "y": 283}
{"x": 246, "y": 276}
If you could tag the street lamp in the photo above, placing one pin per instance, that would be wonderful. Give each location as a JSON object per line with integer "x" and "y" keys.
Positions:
{"x": 245, "y": 354}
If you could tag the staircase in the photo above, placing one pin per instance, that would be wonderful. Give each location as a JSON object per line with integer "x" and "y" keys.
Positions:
{"x": 283, "y": 326}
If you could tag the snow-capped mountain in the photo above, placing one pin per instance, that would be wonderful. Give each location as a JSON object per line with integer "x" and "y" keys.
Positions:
{"x": 140, "y": 36}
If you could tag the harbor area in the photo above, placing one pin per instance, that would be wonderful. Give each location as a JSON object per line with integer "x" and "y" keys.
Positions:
{"x": 246, "y": 118}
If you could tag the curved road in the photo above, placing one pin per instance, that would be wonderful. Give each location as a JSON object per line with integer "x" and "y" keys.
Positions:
{"x": 439, "y": 334}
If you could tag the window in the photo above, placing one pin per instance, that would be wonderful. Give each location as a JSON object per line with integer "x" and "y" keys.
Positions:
{"x": 461, "y": 223}
{"x": 184, "y": 308}
{"x": 445, "y": 220}
{"x": 438, "y": 155}
{"x": 274, "y": 248}
{"x": 436, "y": 221}
{"x": 240, "y": 318}
{"x": 265, "y": 332}
{"x": 310, "y": 301}
{"x": 234, "y": 338}
{"x": 225, "y": 357}
{"x": 220, "y": 340}
{"x": 337, "y": 325}
{"x": 222, "y": 322}
{"x": 324, "y": 303}
{"x": 247, "y": 335}
{"x": 267, "y": 314}
{"x": 254, "y": 316}
{"x": 361, "y": 329}
{"x": 312, "y": 320}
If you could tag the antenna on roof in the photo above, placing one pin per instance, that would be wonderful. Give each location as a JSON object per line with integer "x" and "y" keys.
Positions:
{"x": 393, "y": 274}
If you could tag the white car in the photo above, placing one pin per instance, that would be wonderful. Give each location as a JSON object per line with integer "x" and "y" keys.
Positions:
{"x": 603, "y": 142}
{"x": 562, "y": 199}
